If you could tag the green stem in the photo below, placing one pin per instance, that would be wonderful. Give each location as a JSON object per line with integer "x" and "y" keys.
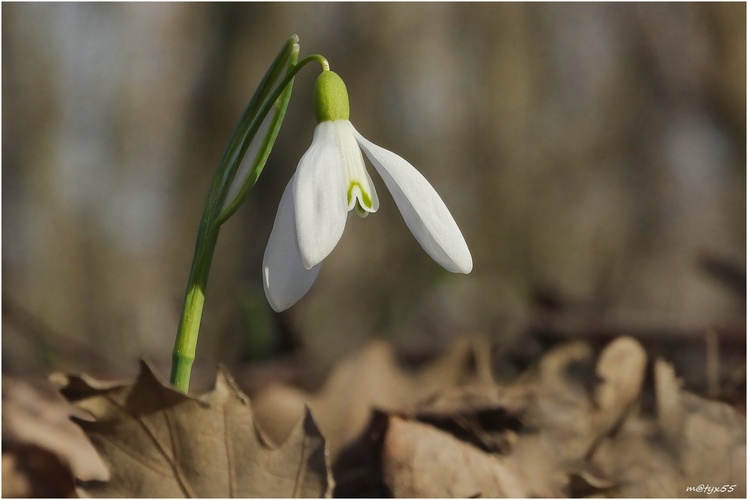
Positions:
{"x": 189, "y": 325}
{"x": 265, "y": 97}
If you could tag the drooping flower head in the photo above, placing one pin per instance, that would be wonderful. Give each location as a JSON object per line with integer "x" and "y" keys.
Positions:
{"x": 330, "y": 181}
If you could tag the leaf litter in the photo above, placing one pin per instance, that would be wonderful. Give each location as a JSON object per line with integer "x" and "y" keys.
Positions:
{"x": 613, "y": 423}
{"x": 557, "y": 434}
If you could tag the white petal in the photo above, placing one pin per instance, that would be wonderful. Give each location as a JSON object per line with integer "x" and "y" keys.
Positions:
{"x": 320, "y": 196}
{"x": 424, "y": 211}
{"x": 284, "y": 276}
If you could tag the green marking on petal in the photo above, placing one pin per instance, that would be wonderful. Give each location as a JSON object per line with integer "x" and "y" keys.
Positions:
{"x": 365, "y": 198}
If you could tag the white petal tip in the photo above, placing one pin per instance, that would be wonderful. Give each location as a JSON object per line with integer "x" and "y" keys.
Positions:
{"x": 289, "y": 288}
{"x": 275, "y": 302}
{"x": 311, "y": 259}
{"x": 467, "y": 268}
{"x": 463, "y": 265}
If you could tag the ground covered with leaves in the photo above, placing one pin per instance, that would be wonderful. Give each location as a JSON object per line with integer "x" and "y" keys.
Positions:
{"x": 589, "y": 418}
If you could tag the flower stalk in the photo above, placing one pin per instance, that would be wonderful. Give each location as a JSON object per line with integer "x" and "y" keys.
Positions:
{"x": 240, "y": 166}
{"x": 330, "y": 181}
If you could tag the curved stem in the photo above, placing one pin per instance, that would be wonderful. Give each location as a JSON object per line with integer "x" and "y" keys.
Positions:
{"x": 185, "y": 343}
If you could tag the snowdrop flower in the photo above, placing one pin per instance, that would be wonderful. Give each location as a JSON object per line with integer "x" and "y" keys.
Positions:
{"x": 330, "y": 181}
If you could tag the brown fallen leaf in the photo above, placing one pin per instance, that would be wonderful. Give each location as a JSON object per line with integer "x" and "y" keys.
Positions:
{"x": 486, "y": 416}
{"x": 576, "y": 425}
{"x": 526, "y": 439}
{"x": 31, "y": 471}
{"x": 621, "y": 368}
{"x": 371, "y": 378}
{"x": 158, "y": 442}
{"x": 358, "y": 468}
{"x": 572, "y": 426}
{"x": 420, "y": 461}
{"x": 579, "y": 400}
{"x": 42, "y": 449}
{"x": 690, "y": 442}
{"x": 560, "y": 418}
{"x": 709, "y": 437}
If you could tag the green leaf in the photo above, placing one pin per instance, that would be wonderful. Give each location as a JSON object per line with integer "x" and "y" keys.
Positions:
{"x": 247, "y": 156}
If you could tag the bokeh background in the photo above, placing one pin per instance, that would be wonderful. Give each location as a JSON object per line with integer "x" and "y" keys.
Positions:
{"x": 593, "y": 150}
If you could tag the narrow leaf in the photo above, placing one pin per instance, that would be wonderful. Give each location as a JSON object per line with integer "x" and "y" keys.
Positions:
{"x": 251, "y": 154}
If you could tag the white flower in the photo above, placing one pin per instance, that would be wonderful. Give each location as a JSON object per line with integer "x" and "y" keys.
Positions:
{"x": 329, "y": 182}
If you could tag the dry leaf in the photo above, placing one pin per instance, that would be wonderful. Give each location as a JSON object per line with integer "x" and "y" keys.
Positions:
{"x": 420, "y": 461}
{"x": 621, "y": 370}
{"x": 560, "y": 418}
{"x": 487, "y": 417}
{"x": 523, "y": 440}
{"x": 709, "y": 436}
{"x": 31, "y": 471}
{"x": 572, "y": 427}
{"x": 371, "y": 378}
{"x": 159, "y": 442}
{"x": 42, "y": 449}
{"x": 358, "y": 468}
{"x": 637, "y": 465}
{"x": 576, "y": 405}
{"x": 692, "y": 442}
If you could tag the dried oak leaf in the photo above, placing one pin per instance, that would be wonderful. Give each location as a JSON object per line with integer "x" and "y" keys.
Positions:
{"x": 159, "y": 442}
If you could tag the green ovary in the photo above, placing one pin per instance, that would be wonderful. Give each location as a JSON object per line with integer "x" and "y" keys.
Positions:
{"x": 330, "y": 98}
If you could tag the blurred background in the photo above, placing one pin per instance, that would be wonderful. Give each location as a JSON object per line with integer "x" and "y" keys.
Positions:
{"x": 592, "y": 154}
